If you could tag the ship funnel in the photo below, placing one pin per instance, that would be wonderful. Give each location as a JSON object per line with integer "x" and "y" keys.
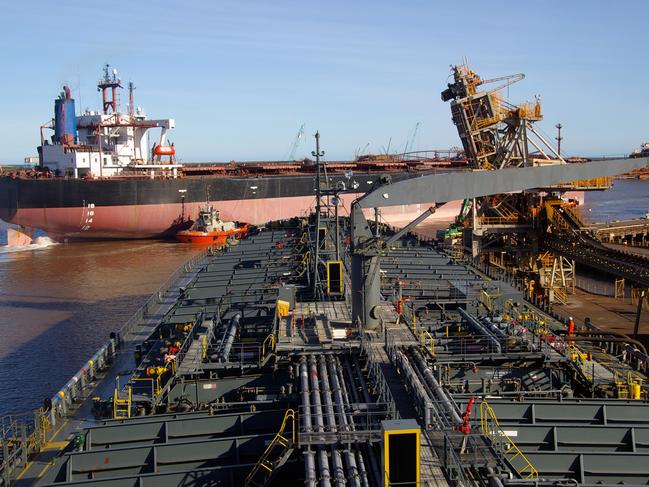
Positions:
{"x": 65, "y": 119}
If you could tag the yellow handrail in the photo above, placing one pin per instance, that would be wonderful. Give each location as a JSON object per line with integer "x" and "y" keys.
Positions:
{"x": 425, "y": 337}
{"x": 122, "y": 407}
{"x": 491, "y": 429}
{"x": 601, "y": 182}
{"x": 270, "y": 339}
{"x": 304, "y": 264}
{"x": 497, "y": 220}
{"x": 279, "y": 439}
{"x": 488, "y": 298}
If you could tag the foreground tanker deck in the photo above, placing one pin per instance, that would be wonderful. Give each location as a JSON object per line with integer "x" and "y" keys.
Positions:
{"x": 248, "y": 370}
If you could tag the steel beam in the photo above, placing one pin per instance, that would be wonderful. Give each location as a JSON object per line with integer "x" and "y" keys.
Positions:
{"x": 411, "y": 225}
{"x": 435, "y": 188}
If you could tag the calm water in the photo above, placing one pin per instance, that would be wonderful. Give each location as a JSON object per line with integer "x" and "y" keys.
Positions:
{"x": 627, "y": 199}
{"x": 58, "y": 303}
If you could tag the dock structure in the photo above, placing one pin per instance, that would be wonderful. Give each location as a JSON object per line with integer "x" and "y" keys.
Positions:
{"x": 633, "y": 232}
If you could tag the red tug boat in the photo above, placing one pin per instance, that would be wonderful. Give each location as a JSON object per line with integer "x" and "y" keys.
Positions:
{"x": 209, "y": 229}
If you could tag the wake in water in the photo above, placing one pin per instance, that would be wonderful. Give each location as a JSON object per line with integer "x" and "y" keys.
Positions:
{"x": 39, "y": 243}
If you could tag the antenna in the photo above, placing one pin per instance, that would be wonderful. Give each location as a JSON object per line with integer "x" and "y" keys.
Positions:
{"x": 558, "y": 137}
{"x": 317, "y": 153}
{"x": 131, "y": 106}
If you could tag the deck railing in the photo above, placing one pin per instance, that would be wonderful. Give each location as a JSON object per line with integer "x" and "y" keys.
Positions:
{"x": 35, "y": 428}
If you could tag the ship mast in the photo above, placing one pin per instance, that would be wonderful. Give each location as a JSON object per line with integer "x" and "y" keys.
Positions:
{"x": 131, "y": 108}
{"x": 318, "y": 208}
{"x": 326, "y": 250}
{"x": 111, "y": 82}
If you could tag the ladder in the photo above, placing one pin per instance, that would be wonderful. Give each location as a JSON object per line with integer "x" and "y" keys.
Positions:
{"x": 275, "y": 454}
{"x": 122, "y": 407}
{"x": 504, "y": 445}
{"x": 267, "y": 349}
{"x": 560, "y": 295}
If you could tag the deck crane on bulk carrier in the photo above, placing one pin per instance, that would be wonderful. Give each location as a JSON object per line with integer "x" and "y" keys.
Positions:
{"x": 496, "y": 137}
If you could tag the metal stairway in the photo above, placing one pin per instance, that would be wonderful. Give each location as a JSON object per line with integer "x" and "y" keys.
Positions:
{"x": 504, "y": 445}
{"x": 267, "y": 350}
{"x": 276, "y": 454}
{"x": 122, "y": 406}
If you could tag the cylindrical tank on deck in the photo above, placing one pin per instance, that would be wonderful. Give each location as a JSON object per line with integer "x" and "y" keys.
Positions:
{"x": 65, "y": 119}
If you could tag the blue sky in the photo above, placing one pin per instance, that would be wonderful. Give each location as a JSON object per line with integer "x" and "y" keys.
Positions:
{"x": 240, "y": 76}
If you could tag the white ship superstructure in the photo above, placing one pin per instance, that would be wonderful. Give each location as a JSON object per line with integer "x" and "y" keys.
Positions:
{"x": 104, "y": 144}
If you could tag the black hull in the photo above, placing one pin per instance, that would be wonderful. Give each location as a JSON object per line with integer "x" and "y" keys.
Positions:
{"x": 143, "y": 208}
{"x": 71, "y": 193}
